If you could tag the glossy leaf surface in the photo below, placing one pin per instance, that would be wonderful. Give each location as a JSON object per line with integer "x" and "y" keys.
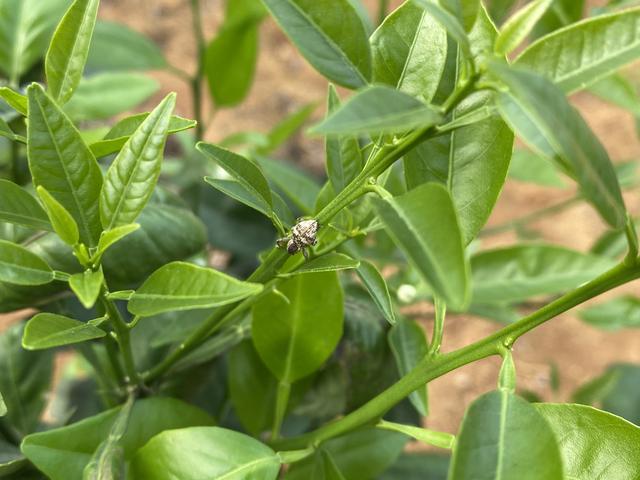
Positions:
{"x": 516, "y": 28}
{"x": 48, "y": 330}
{"x": 61, "y": 220}
{"x": 22, "y": 267}
{"x": 330, "y": 262}
{"x": 377, "y": 287}
{"x": 17, "y": 206}
{"x": 86, "y": 286}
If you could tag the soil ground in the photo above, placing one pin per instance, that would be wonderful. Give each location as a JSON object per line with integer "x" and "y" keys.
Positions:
{"x": 284, "y": 82}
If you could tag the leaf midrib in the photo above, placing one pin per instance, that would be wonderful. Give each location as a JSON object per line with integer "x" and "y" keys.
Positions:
{"x": 247, "y": 466}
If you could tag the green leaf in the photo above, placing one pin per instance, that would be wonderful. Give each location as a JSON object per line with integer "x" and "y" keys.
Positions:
{"x": 109, "y": 237}
{"x": 183, "y": 286}
{"x": 619, "y": 91}
{"x": 69, "y": 48}
{"x": 285, "y": 128}
{"x": 409, "y": 345}
{"x": 55, "y": 145}
{"x": 516, "y": 28}
{"x": 115, "y": 139}
{"x": 25, "y": 379}
{"x": 361, "y": 454}
{"x": 572, "y": 64}
{"x": 472, "y": 162}
{"x": 14, "y": 99}
{"x": 526, "y": 166}
{"x": 330, "y": 35}
{"x": 230, "y": 61}
{"x": 108, "y": 94}
{"x": 449, "y": 21}
{"x": 429, "y": 437}
{"x": 410, "y": 52}
{"x": 503, "y": 436}
{"x": 622, "y": 312}
{"x": 243, "y": 194}
{"x": 5, "y": 131}
{"x": 562, "y": 14}
{"x": 330, "y": 262}
{"x": 298, "y": 187}
{"x": 344, "y": 159}
{"x": 245, "y": 172}
{"x": 22, "y": 267}
{"x": 63, "y": 453}
{"x": 115, "y": 47}
{"x": 132, "y": 177}
{"x": 539, "y": 112}
{"x": 47, "y": 330}
{"x": 517, "y": 273}
{"x": 86, "y": 286}
{"x": 248, "y": 378}
{"x": 377, "y": 288}
{"x": 205, "y": 452}
{"x": 19, "y": 207}
{"x": 465, "y": 11}
{"x": 297, "y": 330}
{"x": 25, "y": 30}
{"x": 418, "y": 466}
{"x": 63, "y": 223}
{"x": 593, "y": 444}
{"x": 378, "y": 110}
{"x": 423, "y": 223}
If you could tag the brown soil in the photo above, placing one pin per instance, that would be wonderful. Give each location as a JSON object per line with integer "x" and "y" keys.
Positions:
{"x": 285, "y": 82}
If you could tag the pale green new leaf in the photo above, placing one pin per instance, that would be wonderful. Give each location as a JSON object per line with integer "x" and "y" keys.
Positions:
{"x": 377, "y": 288}
{"x": 539, "y": 112}
{"x": 429, "y": 437}
{"x": 55, "y": 145}
{"x": 69, "y": 48}
{"x": 582, "y": 53}
{"x": 134, "y": 173}
{"x": 296, "y": 330}
{"x": 19, "y": 207}
{"x": 424, "y": 224}
{"x": 516, "y": 28}
{"x": 109, "y": 237}
{"x": 502, "y": 436}
{"x": 331, "y": 262}
{"x": 22, "y": 267}
{"x": 205, "y": 452}
{"x": 86, "y": 286}
{"x": 378, "y": 110}
{"x": 47, "y": 330}
{"x": 183, "y": 286}
{"x": 330, "y": 35}
{"x": 410, "y": 51}
{"x": 593, "y": 443}
{"x": 15, "y": 100}
{"x": 61, "y": 220}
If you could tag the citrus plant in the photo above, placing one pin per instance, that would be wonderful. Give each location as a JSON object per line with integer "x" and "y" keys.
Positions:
{"x": 308, "y": 366}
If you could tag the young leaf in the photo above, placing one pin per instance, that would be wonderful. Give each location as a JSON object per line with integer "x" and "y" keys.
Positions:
{"x": 109, "y": 237}
{"x": 593, "y": 443}
{"x": 450, "y": 22}
{"x": 205, "y": 452}
{"x": 429, "y": 437}
{"x": 18, "y": 207}
{"x": 340, "y": 54}
{"x": 517, "y": 273}
{"x": 622, "y": 312}
{"x": 572, "y": 64}
{"x": 69, "y": 48}
{"x": 76, "y": 443}
{"x": 331, "y": 262}
{"x": 22, "y": 267}
{"x": 55, "y": 145}
{"x": 409, "y": 345}
{"x": 86, "y": 286}
{"x": 516, "y": 29}
{"x": 410, "y": 52}
{"x": 539, "y": 112}
{"x": 182, "y": 286}
{"x": 503, "y": 436}
{"x": 15, "y": 100}
{"x": 245, "y": 172}
{"x": 377, "y": 288}
{"x": 134, "y": 173}
{"x": 47, "y": 330}
{"x": 296, "y": 333}
{"x": 296, "y": 185}
{"x": 61, "y": 220}
{"x": 472, "y": 162}
{"x": 115, "y": 138}
{"x": 115, "y": 47}
{"x": 423, "y": 223}
{"x": 240, "y": 192}
{"x": 344, "y": 159}
{"x": 465, "y": 11}
{"x": 378, "y": 110}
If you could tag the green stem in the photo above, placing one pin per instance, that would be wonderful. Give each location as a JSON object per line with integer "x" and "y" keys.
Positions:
{"x": 196, "y": 80}
{"x": 431, "y": 368}
{"x": 282, "y": 400}
{"x": 124, "y": 339}
{"x": 383, "y": 6}
{"x": 438, "y": 326}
